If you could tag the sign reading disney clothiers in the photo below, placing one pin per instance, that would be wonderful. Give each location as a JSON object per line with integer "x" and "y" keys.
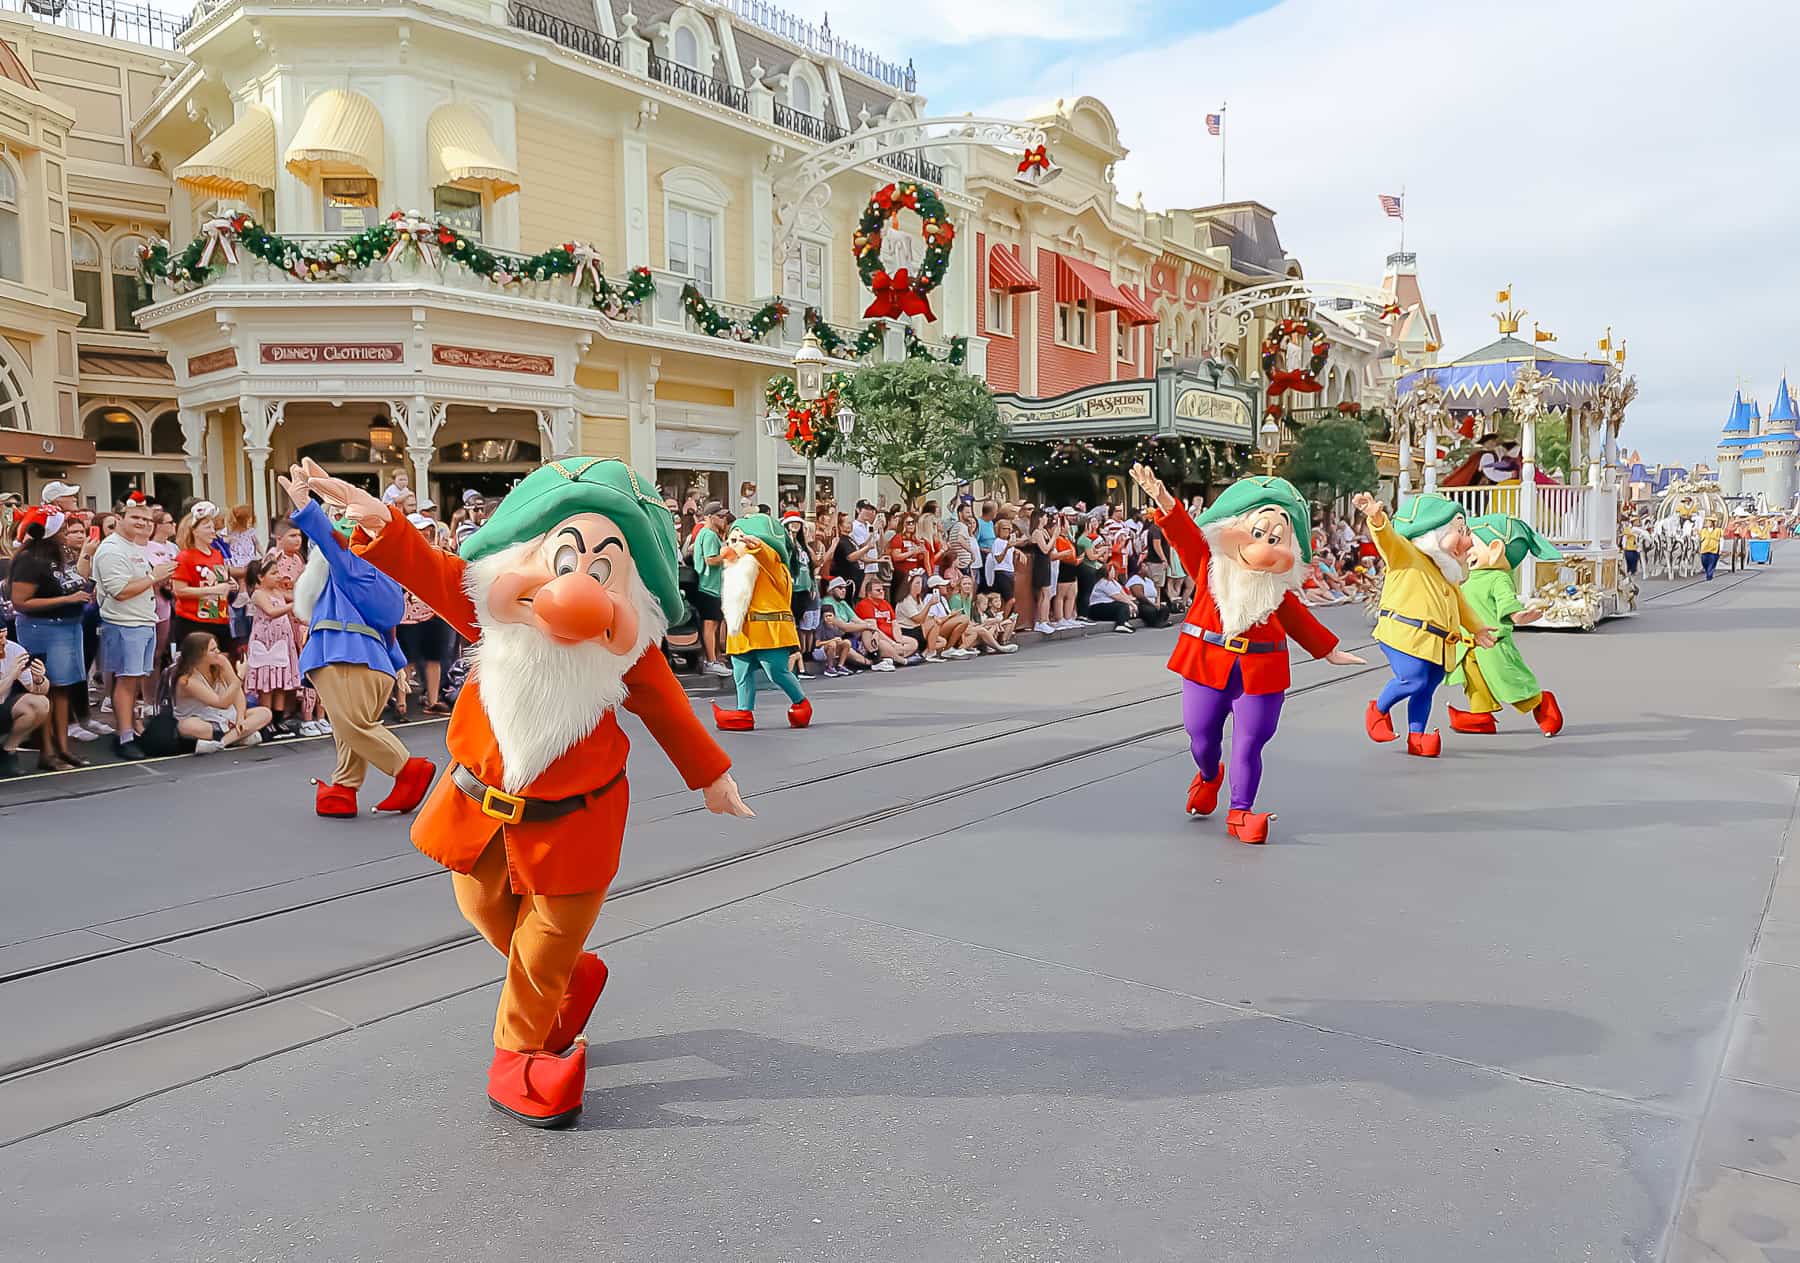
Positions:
{"x": 332, "y": 352}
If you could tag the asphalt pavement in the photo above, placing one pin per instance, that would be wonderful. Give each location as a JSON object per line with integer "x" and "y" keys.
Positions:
{"x": 970, "y": 987}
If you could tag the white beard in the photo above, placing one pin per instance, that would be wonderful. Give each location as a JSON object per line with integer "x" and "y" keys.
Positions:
{"x": 1245, "y": 597}
{"x": 310, "y": 586}
{"x": 738, "y": 586}
{"x": 541, "y": 697}
{"x": 1453, "y": 568}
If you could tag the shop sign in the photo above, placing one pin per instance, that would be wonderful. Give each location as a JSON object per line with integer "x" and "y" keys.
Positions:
{"x": 333, "y": 352}
{"x": 1113, "y": 405}
{"x": 1218, "y": 415}
{"x": 493, "y": 361}
{"x": 212, "y": 361}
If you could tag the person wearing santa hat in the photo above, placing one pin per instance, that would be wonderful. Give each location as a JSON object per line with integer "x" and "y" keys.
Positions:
{"x": 566, "y": 593}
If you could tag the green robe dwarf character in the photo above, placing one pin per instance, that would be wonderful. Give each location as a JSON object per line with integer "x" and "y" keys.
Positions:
{"x": 1497, "y": 676}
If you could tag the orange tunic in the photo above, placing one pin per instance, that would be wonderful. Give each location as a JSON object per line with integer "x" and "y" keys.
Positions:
{"x": 580, "y": 851}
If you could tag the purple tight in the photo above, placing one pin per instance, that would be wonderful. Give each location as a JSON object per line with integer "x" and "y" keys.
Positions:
{"x": 1203, "y": 713}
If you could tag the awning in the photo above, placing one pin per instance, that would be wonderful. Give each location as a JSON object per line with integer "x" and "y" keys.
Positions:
{"x": 1076, "y": 281}
{"x": 1007, "y": 274}
{"x": 1136, "y": 310}
{"x": 464, "y": 154}
{"x": 341, "y": 129}
{"x": 29, "y": 446}
{"x": 238, "y": 161}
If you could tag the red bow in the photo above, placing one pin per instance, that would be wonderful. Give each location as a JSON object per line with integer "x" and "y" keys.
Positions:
{"x": 1035, "y": 158}
{"x": 895, "y": 296}
{"x": 884, "y": 198}
{"x": 799, "y": 425}
{"x": 1293, "y": 379}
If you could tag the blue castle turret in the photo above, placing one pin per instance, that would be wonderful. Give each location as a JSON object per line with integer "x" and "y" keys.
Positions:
{"x": 1757, "y": 454}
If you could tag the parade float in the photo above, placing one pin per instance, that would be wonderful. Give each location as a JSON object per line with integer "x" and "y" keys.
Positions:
{"x": 1520, "y": 384}
{"x": 1671, "y": 536}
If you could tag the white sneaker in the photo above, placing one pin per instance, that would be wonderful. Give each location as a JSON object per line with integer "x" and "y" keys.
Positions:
{"x": 886, "y": 664}
{"x": 208, "y": 747}
{"x": 96, "y": 727}
{"x": 935, "y": 657}
{"x": 79, "y": 733}
{"x": 1009, "y": 647}
{"x": 312, "y": 728}
{"x": 957, "y": 655}
{"x": 324, "y": 727}
{"x": 254, "y": 739}
{"x": 1069, "y": 624}
{"x": 716, "y": 668}
{"x": 1125, "y": 629}
{"x": 1043, "y": 629}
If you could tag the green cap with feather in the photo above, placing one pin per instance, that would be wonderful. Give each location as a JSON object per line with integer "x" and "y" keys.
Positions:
{"x": 1424, "y": 514}
{"x": 589, "y": 484}
{"x": 1246, "y": 495}
{"x": 1521, "y": 540}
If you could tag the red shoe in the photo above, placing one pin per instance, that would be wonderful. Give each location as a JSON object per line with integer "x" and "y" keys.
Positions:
{"x": 1249, "y": 826}
{"x": 800, "y": 713}
{"x": 410, "y": 787}
{"x": 1380, "y": 726}
{"x": 1426, "y": 745}
{"x": 1470, "y": 722}
{"x": 733, "y": 720}
{"x": 1203, "y": 795}
{"x": 539, "y": 1089}
{"x": 585, "y": 986}
{"x": 1548, "y": 714}
{"x": 335, "y": 802}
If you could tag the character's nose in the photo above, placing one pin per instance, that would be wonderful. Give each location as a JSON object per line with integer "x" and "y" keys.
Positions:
{"x": 574, "y": 608}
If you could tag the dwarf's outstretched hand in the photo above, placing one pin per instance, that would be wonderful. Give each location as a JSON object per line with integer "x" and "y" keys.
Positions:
{"x": 361, "y": 507}
{"x": 723, "y": 799}
{"x": 1365, "y": 504}
{"x": 1152, "y": 486}
{"x": 1338, "y": 658}
{"x": 1485, "y": 638}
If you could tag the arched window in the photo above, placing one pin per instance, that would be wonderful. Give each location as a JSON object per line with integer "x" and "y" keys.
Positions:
{"x": 15, "y": 412}
{"x": 800, "y": 94}
{"x": 684, "y": 46}
{"x": 90, "y": 281}
{"x": 165, "y": 436}
{"x": 127, "y": 291}
{"x": 12, "y": 256}
{"x": 113, "y": 430}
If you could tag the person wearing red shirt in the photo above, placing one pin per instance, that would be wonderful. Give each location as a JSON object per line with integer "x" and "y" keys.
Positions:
{"x": 202, "y": 580}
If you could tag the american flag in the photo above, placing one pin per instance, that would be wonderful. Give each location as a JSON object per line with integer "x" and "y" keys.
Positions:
{"x": 1391, "y": 205}
{"x": 1213, "y": 123}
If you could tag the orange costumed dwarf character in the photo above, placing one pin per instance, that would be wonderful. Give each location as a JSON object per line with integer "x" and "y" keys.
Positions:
{"x": 566, "y": 592}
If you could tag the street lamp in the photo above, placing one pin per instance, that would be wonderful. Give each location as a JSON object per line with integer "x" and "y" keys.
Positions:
{"x": 809, "y": 368}
{"x": 1268, "y": 439}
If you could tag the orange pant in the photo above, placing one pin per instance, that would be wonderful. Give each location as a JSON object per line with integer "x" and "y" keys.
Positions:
{"x": 541, "y": 937}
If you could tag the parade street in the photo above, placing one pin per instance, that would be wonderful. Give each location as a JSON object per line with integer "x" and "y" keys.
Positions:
{"x": 969, "y": 987}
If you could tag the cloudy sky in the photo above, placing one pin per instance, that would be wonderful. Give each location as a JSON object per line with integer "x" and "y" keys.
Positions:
{"x": 1625, "y": 162}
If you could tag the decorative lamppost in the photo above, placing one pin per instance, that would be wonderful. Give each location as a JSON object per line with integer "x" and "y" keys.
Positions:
{"x": 1268, "y": 442}
{"x": 801, "y": 411}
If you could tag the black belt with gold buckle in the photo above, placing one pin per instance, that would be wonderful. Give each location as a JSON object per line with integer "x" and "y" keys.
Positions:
{"x": 1233, "y": 644}
{"x": 513, "y": 809}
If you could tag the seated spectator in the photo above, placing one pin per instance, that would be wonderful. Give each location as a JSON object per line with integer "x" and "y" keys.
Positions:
{"x": 875, "y": 609}
{"x": 991, "y": 616}
{"x": 1112, "y": 602}
{"x": 954, "y": 627}
{"x": 868, "y": 646}
{"x": 24, "y": 701}
{"x": 210, "y": 707}
{"x": 910, "y": 620}
{"x": 1142, "y": 588}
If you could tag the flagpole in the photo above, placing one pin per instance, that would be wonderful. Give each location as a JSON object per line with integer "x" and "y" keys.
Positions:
{"x": 1402, "y": 219}
{"x": 1224, "y": 139}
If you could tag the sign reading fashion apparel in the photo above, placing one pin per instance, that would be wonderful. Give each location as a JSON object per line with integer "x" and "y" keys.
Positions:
{"x": 493, "y": 361}
{"x": 1169, "y": 403}
{"x": 1097, "y": 410}
{"x": 332, "y": 352}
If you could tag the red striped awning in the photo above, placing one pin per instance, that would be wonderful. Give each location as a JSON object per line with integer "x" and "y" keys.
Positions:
{"x": 1076, "y": 281}
{"x": 1007, "y": 274}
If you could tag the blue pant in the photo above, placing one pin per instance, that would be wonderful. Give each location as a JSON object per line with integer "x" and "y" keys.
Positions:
{"x": 1415, "y": 680}
{"x": 771, "y": 662}
{"x": 1709, "y": 562}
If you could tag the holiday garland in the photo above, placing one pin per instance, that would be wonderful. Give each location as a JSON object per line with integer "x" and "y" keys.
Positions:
{"x": 835, "y": 344}
{"x": 917, "y": 350}
{"x": 902, "y": 294}
{"x": 811, "y": 427}
{"x": 221, "y": 238}
{"x": 1305, "y": 380}
{"x": 716, "y": 324}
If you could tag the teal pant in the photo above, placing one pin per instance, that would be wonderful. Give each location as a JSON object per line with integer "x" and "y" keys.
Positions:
{"x": 773, "y": 663}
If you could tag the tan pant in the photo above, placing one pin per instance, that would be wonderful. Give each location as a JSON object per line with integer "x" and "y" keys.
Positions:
{"x": 541, "y": 937}
{"x": 1481, "y": 698}
{"x": 353, "y": 697}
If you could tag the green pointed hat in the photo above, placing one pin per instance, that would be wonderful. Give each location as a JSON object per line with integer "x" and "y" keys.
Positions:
{"x": 761, "y": 526}
{"x": 1249, "y": 494}
{"x": 1521, "y": 541}
{"x": 588, "y": 484}
{"x": 1424, "y": 514}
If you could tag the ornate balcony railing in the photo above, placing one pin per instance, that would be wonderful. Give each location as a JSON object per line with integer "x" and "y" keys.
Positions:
{"x": 564, "y": 32}
{"x": 819, "y": 39}
{"x": 691, "y": 81}
{"x": 135, "y": 23}
{"x": 822, "y": 130}
{"x": 910, "y": 162}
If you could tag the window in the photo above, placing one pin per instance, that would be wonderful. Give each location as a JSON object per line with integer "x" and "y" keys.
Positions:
{"x": 691, "y": 235}
{"x": 15, "y": 413}
{"x": 800, "y": 94}
{"x": 1075, "y": 324}
{"x": 460, "y": 208}
{"x": 265, "y": 208}
{"x": 684, "y": 47}
{"x": 349, "y": 204}
{"x": 113, "y": 430}
{"x": 803, "y": 281}
{"x": 1122, "y": 338}
{"x": 12, "y": 255}
{"x": 90, "y": 285}
{"x": 999, "y": 312}
{"x": 127, "y": 289}
{"x": 166, "y": 438}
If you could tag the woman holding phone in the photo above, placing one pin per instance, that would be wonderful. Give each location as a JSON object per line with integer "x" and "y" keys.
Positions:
{"x": 50, "y": 604}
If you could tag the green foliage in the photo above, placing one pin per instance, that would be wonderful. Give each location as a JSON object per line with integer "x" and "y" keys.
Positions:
{"x": 1553, "y": 443}
{"x": 923, "y": 424}
{"x": 1332, "y": 459}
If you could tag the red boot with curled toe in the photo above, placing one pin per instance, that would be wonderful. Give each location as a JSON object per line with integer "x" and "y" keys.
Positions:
{"x": 540, "y": 1089}
{"x": 1471, "y": 722}
{"x": 800, "y": 713}
{"x": 410, "y": 786}
{"x": 1249, "y": 826}
{"x": 335, "y": 802}
{"x": 1203, "y": 794}
{"x": 733, "y": 720}
{"x": 1427, "y": 745}
{"x": 1380, "y": 726}
{"x": 585, "y": 985}
{"x": 1548, "y": 714}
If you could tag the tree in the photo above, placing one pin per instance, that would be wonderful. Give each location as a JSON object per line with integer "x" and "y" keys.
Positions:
{"x": 1331, "y": 460}
{"x": 1553, "y": 443}
{"x": 923, "y": 424}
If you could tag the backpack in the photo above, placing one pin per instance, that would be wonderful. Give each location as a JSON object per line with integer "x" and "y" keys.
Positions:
{"x": 161, "y": 736}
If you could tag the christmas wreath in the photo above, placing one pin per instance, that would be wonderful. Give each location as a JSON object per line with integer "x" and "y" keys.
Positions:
{"x": 1305, "y": 380}
{"x": 810, "y": 426}
{"x": 899, "y": 293}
